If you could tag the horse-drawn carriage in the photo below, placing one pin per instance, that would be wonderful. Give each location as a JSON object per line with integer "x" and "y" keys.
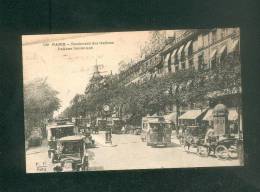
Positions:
{"x": 208, "y": 140}
{"x": 224, "y": 147}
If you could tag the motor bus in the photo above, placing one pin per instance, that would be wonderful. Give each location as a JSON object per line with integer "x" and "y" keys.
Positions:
{"x": 156, "y": 131}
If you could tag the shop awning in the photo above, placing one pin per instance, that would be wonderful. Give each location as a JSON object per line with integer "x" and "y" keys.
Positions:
{"x": 213, "y": 54}
{"x": 171, "y": 117}
{"x": 232, "y": 115}
{"x": 208, "y": 116}
{"x": 235, "y": 45}
{"x": 173, "y": 55}
{"x": 180, "y": 51}
{"x": 167, "y": 59}
{"x": 192, "y": 114}
{"x": 186, "y": 49}
{"x": 222, "y": 50}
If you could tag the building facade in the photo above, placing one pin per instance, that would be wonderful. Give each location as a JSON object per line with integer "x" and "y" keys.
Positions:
{"x": 196, "y": 50}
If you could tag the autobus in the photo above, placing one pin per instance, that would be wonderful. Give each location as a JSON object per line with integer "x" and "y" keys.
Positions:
{"x": 156, "y": 131}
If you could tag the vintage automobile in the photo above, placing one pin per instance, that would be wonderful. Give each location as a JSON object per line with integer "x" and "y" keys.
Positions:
{"x": 155, "y": 131}
{"x": 71, "y": 154}
{"x": 84, "y": 128}
{"x": 137, "y": 131}
{"x": 35, "y": 138}
{"x": 101, "y": 124}
{"x": 56, "y": 131}
{"x": 117, "y": 125}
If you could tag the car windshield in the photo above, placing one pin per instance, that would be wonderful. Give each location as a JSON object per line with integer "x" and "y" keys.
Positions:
{"x": 62, "y": 132}
{"x": 156, "y": 125}
{"x": 71, "y": 147}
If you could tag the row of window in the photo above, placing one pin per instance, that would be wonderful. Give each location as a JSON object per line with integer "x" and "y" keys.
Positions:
{"x": 176, "y": 60}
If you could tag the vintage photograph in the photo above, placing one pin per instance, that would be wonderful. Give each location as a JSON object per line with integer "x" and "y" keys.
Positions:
{"x": 132, "y": 100}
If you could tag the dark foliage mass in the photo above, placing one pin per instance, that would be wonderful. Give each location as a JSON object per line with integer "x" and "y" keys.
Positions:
{"x": 40, "y": 101}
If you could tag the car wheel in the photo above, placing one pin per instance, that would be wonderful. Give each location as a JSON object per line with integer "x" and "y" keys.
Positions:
{"x": 222, "y": 152}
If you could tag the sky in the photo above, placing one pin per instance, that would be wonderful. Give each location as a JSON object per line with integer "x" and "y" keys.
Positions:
{"x": 68, "y": 71}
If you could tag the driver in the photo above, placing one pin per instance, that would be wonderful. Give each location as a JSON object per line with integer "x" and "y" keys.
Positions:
{"x": 210, "y": 136}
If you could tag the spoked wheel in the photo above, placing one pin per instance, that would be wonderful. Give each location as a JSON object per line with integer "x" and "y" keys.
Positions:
{"x": 222, "y": 152}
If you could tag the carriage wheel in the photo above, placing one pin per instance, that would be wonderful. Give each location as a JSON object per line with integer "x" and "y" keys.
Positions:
{"x": 222, "y": 152}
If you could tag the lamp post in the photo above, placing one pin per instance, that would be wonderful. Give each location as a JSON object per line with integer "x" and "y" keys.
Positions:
{"x": 108, "y": 134}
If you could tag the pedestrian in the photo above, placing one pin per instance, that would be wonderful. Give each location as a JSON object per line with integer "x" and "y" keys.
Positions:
{"x": 123, "y": 129}
{"x": 210, "y": 139}
{"x": 209, "y": 135}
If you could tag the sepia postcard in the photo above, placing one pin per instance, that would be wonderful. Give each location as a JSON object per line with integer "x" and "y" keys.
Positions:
{"x": 132, "y": 100}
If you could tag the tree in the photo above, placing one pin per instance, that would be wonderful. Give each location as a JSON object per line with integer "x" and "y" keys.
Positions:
{"x": 40, "y": 101}
{"x": 155, "y": 43}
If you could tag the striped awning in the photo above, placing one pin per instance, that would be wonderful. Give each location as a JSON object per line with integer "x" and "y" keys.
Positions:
{"x": 222, "y": 50}
{"x": 180, "y": 51}
{"x": 235, "y": 45}
{"x": 173, "y": 55}
{"x": 232, "y": 115}
{"x": 191, "y": 114}
{"x": 167, "y": 59}
{"x": 208, "y": 116}
{"x": 186, "y": 49}
{"x": 213, "y": 54}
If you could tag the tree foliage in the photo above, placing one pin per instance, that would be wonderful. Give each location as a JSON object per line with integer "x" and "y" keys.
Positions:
{"x": 183, "y": 88}
{"x": 40, "y": 101}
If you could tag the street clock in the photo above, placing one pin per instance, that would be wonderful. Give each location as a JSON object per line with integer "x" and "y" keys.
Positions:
{"x": 106, "y": 108}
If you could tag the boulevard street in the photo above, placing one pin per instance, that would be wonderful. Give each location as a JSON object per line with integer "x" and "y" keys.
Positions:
{"x": 129, "y": 152}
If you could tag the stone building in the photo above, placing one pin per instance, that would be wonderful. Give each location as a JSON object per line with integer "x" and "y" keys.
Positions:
{"x": 198, "y": 50}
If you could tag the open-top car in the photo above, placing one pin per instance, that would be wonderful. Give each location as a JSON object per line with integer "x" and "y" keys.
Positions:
{"x": 71, "y": 154}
